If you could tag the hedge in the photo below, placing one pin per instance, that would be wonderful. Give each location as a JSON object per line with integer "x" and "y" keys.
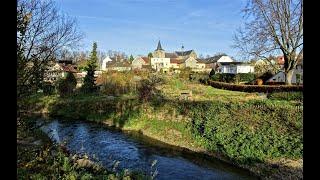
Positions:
{"x": 296, "y": 96}
{"x": 254, "y": 88}
{"x": 231, "y": 78}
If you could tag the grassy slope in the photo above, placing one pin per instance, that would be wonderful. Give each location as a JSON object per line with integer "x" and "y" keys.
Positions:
{"x": 176, "y": 123}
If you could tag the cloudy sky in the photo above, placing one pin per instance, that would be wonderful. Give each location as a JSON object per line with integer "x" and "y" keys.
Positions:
{"x": 135, "y": 26}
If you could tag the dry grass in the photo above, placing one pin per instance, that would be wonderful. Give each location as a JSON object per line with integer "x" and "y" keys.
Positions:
{"x": 173, "y": 87}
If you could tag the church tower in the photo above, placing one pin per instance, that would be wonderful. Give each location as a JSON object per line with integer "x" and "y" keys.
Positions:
{"x": 159, "y": 52}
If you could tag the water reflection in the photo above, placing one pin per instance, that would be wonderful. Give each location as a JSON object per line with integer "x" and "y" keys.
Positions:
{"x": 112, "y": 146}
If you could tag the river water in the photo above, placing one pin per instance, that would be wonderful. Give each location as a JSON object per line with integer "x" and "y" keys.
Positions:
{"x": 111, "y": 147}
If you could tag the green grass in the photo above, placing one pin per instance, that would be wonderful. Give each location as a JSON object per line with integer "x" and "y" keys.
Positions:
{"x": 173, "y": 87}
{"x": 241, "y": 126}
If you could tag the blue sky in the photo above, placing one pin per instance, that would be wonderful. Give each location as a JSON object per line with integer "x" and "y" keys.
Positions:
{"x": 135, "y": 26}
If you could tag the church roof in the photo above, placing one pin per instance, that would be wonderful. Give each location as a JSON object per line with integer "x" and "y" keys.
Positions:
{"x": 159, "y": 46}
{"x": 183, "y": 53}
{"x": 171, "y": 55}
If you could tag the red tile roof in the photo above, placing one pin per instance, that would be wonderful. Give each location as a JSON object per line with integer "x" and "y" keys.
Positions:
{"x": 175, "y": 61}
{"x": 146, "y": 60}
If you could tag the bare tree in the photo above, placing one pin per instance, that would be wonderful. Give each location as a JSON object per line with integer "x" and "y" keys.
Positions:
{"x": 273, "y": 26}
{"x": 41, "y": 33}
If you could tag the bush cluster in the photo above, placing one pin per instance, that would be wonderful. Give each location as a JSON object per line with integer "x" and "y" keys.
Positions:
{"x": 66, "y": 86}
{"x": 118, "y": 83}
{"x": 147, "y": 90}
{"x": 48, "y": 88}
{"x": 233, "y": 78}
{"x": 254, "y": 88}
{"x": 289, "y": 96}
{"x": 246, "y": 134}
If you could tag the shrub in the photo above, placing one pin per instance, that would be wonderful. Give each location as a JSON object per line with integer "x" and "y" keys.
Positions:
{"x": 275, "y": 83}
{"x": 246, "y": 134}
{"x": 212, "y": 73}
{"x": 247, "y": 77}
{"x": 197, "y": 76}
{"x": 232, "y": 78}
{"x": 185, "y": 73}
{"x": 265, "y": 76}
{"x": 255, "y": 88}
{"x": 48, "y": 88}
{"x": 147, "y": 89}
{"x": 259, "y": 82}
{"x": 118, "y": 83}
{"x": 66, "y": 85}
{"x": 295, "y": 96}
{"x": 225, "y": 77}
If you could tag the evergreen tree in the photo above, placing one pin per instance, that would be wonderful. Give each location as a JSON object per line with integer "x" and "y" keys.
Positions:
{"x": 131, "y": 58}
{"x": 212, "y": 73}
{"x": 88, "y": 83}
{"x": 150, "y": 55}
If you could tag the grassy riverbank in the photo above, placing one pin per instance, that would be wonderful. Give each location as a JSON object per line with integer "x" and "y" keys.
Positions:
{"x": 263, "y": 135}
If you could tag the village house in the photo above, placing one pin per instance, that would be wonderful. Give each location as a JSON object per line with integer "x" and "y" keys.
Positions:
{"x": 159, "y": 61}
{"x": 224, "y": 64}
{"x": 59, "y": 69}
{"x": 234, "y": 67}
{"x": 196, "y": 65}
{"x": 140, "y": 62}
{"x": 297, "y": 75}
{"x": 177, "y": 60}
{"x": 118, "y": 64}
{"x": 212, "y": 62}
{"x": 104, "y": 63}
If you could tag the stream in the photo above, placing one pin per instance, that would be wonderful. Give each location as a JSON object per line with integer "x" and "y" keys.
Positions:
{"x": 135, "y": 152}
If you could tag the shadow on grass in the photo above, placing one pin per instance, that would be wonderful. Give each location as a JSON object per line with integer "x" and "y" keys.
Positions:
{"x": 122, "y": 110}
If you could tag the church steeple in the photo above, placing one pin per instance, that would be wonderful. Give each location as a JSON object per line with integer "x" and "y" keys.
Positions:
{"x": 159, "y": 46}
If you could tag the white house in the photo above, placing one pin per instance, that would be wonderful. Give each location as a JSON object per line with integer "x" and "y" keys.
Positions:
{"x": 225, "y": 59}
{"x": 297, "y": 75}
{"x": 104, "y": 63}
{"x": 234, "y": 67}
{"x": 160, "y": 63}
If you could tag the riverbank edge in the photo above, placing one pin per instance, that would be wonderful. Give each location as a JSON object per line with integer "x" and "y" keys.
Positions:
{"x": 267, "y": 170}
{"x": 82, "y": 163}
{"x": 255, "y": 171}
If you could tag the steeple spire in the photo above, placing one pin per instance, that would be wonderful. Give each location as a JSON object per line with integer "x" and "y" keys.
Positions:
{"x": 159, "y": 46}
